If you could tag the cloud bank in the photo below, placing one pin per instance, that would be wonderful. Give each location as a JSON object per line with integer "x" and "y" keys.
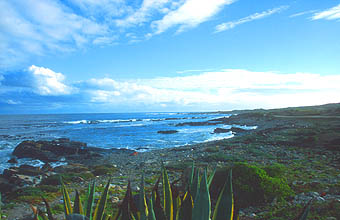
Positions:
{"x": 215, "y": 90}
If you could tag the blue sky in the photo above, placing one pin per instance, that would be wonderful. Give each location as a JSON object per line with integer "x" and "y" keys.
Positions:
{"x": 167, "y": 55}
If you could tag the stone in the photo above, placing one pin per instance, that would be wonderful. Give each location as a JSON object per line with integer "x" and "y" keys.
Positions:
{"x": 6, "y": 186}
{"x": 29, "y": 170}
{"x": 9, "y": 172}
{"x": 22, "y": 180}
{"x": 49, "y": 151}
{"x": 221, "y": 130}
{"x": 167, "y": 132}
{"x": 12, "y": 160}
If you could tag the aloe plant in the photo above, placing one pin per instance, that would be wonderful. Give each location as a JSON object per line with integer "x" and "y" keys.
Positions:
{"x": 66, "y": 199}
{"x": 224, "y": 208}
{"x": 99, "y": 211}
{"x": 0, "y": 207}
{"x": 193, "y": 204}
{"x": 202, "y": 207}
{"x": 90, "y": 200}
{"x": 168, "y": 204}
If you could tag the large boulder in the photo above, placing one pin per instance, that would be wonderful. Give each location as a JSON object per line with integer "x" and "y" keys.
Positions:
{"x": 49, "y": 151}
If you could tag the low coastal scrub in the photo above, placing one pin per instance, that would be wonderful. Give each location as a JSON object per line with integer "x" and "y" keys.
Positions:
{"x": 194, "y": 202}
{"x": 253, "y": 185}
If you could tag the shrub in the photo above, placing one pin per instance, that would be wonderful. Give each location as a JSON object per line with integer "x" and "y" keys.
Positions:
{"x": 275, "y": 170}
{"x": 103, "y": 170}
{"x": 253, "y": 185}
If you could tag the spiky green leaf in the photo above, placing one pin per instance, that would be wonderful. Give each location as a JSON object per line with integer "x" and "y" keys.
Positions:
{"x": 202, "y": 209}
{"x": 195, "y": 184}
{"x": 78, "y": 207}
{"x": 90, "y": 200}
{"x": 168, "y": 203}
{"x": 66, "y": 199}
{"x": 143, "y": 208}
{"x": 211, "y": 177}
{"x": 186, "y": 207}
{"x": 224, "y": 209}
{"x": 158, "y": 209}
{"x": 151, "y": 215}
{"x": 99, "y": 211}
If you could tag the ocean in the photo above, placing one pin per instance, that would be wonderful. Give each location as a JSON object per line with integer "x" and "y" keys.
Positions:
{"x": 136, "y": 131}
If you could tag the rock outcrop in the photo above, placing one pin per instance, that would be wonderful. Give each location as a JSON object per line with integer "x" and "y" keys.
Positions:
{"x": 50, "y": 151}
{"x": 167, "y": 132}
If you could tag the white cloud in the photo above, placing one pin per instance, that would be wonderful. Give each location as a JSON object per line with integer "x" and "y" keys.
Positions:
{"x": 222, "y": 89}
{"x": 12, "y": 102}
{"x": 329, "y": 14}
{"x": 190, "y": 14}
{"x": 229, "y": 25}
{"x": 48, "y": 82}
{"x": 144, "y": 13}
{"x": 37, "y": 27}
{"x": 41, "y": 27}
{"x": 302, "y": 13}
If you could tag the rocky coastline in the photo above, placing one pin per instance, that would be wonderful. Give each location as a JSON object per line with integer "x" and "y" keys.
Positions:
{"x": 308, "y": 148}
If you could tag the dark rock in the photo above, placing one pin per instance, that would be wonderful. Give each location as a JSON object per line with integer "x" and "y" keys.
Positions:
{"x": 49, "y": 151}
{"x": 12, "y": 160}
{"x": 10, "y": 172}
{"x": 47, "y": 167}
{"x": 29, "y": 170}
{"x": 6, "y": 186}
{"x": 221, "y": 130}
{"x": 237, "y": 130}
{"x": 199, "y": 123}
{"x": 22, "y": 180}
{"x": 71, "y": 168}
{"x": 224, "y": 130}
{"x": 167, "y": 132}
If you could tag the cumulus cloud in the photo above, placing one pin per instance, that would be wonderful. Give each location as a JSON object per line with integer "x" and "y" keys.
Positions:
{"x": 222, "y": 89}
{"x": 329, "y": 14}
{"x": 229, "y": 25}
{"x": 210, "y": 90}
{"x": 48, "y": 82}
{"x": 39, "y": 80}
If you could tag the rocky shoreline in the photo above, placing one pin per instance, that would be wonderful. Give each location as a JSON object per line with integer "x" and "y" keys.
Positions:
{"x": 307, "y": 148}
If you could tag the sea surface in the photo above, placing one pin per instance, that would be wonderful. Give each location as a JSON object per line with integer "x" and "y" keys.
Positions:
{"x": 136, "y": 131}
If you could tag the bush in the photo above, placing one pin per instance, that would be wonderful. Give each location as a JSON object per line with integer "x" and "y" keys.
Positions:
{"x": 253, "y": 186}
{"x": 276, "y": 170}
{"x": 103, "y": 170}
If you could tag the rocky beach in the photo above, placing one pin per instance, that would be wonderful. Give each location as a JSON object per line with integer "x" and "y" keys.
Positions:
{"x": 303, "y": 144}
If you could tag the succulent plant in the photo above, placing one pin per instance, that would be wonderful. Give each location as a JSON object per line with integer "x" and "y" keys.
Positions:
{"x": 192, "y": 204}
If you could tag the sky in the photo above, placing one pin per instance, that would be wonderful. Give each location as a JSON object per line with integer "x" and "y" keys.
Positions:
{"x": 102, "y": 56}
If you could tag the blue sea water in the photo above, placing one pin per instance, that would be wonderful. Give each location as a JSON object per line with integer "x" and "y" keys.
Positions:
{"x": 136, "y": 131}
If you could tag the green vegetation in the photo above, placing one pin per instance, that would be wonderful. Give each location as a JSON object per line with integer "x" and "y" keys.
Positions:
{"x": 253, "y": 185}
{"x": 67, "y": 177}
{"x": 105, "y": 169}
{"x": 176, "y": 205}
